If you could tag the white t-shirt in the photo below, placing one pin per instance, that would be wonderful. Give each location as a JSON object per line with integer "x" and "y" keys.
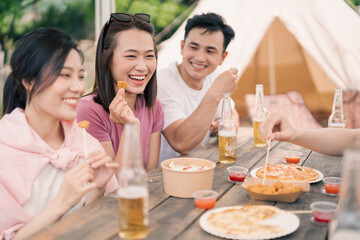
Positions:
{"x": 179, "y": 101}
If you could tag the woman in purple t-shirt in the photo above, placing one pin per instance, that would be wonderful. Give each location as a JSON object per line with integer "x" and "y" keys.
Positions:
{"x": 126, "y": 51}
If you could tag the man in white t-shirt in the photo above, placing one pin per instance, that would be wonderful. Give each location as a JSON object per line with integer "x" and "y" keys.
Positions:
{"x": 191, "y": 91}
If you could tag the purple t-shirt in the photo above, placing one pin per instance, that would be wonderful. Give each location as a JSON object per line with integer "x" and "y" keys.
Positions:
{"x": 103, "y": 129}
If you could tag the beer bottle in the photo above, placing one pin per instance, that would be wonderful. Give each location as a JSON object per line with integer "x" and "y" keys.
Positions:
{"x": 133, "y": 195}
{"x": 337, "y": 118}
{"x": 346, "y": 222}
{"x": 260, "y": 114}
{"x": 227, "y": 133}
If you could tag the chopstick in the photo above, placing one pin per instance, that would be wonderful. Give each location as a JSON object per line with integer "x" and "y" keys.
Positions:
{"x": 300, "y": 211}
{"x": 267, "y": 159}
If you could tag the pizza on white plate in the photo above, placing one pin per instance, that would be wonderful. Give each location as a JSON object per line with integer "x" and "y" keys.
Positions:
{"x": 244, "y": 220}
{"x": 288, "y": 172}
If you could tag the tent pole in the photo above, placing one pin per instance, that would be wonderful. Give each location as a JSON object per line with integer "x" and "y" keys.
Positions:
{"x": 103, "y": 8}
{"x": 271, "y": 60}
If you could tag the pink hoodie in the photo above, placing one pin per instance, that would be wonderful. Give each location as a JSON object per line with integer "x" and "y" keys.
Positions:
{"x": 23, "y": 154}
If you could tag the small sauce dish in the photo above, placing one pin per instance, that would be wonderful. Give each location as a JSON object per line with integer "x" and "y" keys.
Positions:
{"x": 205, "y": 199}
{"x": 237, "y": 174}
{"x": 323, "y": 211}
{"x": 331, "y": 186}
{"x": 292, "y": 156}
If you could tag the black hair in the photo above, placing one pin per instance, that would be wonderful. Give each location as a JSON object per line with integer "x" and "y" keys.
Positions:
{"x": 104, "y": 81}
{"x": 38, "y": 59}
{"x": 212, "y": 22}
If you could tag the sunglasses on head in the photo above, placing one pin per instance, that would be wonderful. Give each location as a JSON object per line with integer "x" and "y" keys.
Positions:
{"x": 125, "y": 17}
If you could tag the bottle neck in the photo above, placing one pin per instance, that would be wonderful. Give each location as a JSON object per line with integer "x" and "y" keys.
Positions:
{"x": 226, "y": 111}
{"x": 260, "y": 112}
{"x": 259, "y": 99}
{"x": 131, "y": 152}
{"x": 338, "y": 103}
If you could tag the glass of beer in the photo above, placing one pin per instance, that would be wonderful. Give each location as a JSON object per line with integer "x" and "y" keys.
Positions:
{"x": 133, "y": 208}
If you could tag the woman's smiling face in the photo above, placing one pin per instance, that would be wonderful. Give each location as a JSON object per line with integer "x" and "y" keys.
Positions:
{"x": 133, "y": 59}
{"x": 59, "y": 101}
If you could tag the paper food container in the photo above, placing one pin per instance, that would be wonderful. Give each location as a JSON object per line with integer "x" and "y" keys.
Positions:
{"x": 182, "y": 183}
{"x": 288, "y": 197}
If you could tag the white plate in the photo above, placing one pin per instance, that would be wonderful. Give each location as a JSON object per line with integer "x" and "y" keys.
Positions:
{"x": 287, "y": 220}
{"x": 318, "y": 179}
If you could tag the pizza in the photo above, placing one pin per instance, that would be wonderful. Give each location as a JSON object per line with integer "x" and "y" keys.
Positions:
{"x": 244, "y": 220}
{"x": 288, "y": 172}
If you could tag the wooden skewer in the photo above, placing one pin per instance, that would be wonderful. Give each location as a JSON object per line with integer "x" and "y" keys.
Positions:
{"x": 84, "y": 142}
{"x": 266, "y": 162}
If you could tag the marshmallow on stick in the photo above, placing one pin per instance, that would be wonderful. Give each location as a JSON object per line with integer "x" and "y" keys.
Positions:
{"x": 84, "y": 125}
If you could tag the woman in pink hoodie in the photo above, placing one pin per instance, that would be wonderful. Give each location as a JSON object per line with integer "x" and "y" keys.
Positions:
{"x": 43, "y": 174}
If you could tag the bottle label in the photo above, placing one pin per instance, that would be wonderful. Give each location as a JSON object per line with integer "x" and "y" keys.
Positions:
{"x": 227, "y": 144}
{"x": 336, "y": 125}
{"x": 133, "y": 212}
{"x": 258, "y": 139}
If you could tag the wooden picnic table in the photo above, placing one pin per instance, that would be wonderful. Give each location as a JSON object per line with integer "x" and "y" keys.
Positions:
{"x": 178, "y": 218}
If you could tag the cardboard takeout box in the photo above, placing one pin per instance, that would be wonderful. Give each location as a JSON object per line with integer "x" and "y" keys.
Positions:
{"x": 182, "y": 183}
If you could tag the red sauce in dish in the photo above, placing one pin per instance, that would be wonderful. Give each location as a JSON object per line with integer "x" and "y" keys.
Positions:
{"x": 205, "y": 203}
{"x": 292, "y": 159}
{"x": 237, "y": 177}
{"x": 332, "y": 188}
{"x": 323, "y": 217}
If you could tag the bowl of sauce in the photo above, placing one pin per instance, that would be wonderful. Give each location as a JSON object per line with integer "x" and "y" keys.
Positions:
{"x": 323, "y": 212}
{"x": 331, "y": 186}
{"x": 237, "y": 174}
{"x": 205, "y": 199}
{"x": 292, "y": 157}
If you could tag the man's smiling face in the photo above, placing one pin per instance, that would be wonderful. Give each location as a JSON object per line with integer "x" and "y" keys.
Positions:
{"x": 202, "y": 52}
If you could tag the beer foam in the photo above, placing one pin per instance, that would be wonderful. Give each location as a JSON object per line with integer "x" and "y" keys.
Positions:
{"x": 259, "y": 119}
{"x": 227, "y": 133}
{"x": 133, "y": 192}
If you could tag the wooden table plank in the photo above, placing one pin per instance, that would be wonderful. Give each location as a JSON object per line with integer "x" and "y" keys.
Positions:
{"x": 186, "y": 207}
{"x": 96, "y": 221}
{"x": 307, "y": 229}
{"x": 247, "y": 156}
{"x": 177, "y": 218}
{"x": 237, "y": 196}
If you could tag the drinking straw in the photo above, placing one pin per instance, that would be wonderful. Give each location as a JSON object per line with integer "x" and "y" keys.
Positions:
{"x": 266, "y": 162}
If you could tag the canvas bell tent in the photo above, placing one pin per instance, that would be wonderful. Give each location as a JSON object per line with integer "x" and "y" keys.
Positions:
{"x": 312, "y": 46}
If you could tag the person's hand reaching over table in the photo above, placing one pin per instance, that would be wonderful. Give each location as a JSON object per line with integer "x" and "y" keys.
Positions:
{"x": 277, "y": 127}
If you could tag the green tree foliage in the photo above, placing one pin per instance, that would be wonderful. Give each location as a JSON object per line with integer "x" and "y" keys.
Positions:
{"x": 75, "y": 17}
{"x": 356, "y": 2}
{"x": 163, "y": 12}
{"x": 10, "y": 13}
{"x": 18, "y": 17}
